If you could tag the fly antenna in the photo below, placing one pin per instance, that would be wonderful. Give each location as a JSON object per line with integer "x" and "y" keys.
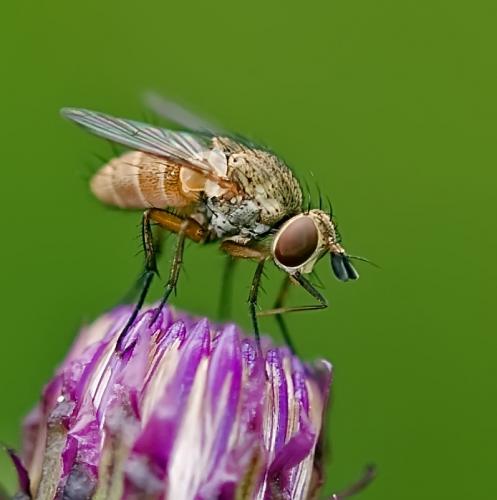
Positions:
{"x": 363, "y": 259}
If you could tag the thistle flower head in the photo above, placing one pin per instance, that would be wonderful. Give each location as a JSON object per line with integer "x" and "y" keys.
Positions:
{"x": 185, "y": 409}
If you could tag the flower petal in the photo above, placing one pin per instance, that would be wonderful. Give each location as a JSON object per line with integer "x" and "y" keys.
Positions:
{"x": 182, "y": 409}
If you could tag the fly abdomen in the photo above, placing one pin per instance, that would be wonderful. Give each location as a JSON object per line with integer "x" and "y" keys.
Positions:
{"x": 138, "y": 180}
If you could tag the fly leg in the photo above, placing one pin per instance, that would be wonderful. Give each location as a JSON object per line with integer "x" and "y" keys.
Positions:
{"x": 278, "y": 304}
{"x": 186, "y": 228}
{"x": 146, "y": 279}
{"x": 224, "y": 308}
{"x": 368, "y": 476}
{"x": 173, "y": 275}
{"x": 260, "y": 255}
{"x": 131, "y": 294}
{"x": 176, "y": 224}
{"x": 252, "y": 300}
{"x": 309, "y": 288}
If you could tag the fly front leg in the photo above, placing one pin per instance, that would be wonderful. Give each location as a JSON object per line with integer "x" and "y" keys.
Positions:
{"x": 309, "y": 288}
{"x": 260, "y": 255}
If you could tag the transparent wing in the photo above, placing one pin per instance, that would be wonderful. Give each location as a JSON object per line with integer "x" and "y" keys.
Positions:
{"x": 180, "y": 146}
{"x": 176, "y": 113}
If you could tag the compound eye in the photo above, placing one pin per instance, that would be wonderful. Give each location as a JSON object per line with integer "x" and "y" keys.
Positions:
{"x": 297, "y": 242}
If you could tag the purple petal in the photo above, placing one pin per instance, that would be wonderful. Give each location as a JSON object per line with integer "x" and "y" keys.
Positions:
{"x": 157, "y": 438}
{"x": 22, "y": 473}
{"x": 181, "y": 409}
{"x": 277, "y": 418}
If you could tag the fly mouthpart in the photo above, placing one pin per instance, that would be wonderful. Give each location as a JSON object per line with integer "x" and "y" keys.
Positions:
{"x": 342, "y": 267}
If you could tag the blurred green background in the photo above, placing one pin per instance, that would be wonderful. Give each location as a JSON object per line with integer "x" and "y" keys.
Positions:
{"x": 390, "y": 105}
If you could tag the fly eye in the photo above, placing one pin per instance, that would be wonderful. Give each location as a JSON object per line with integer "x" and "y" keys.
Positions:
{"x": 297, "y": 242}
{"x": 342, "y": 267}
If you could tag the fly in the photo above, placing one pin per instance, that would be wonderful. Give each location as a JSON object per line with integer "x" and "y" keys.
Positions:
{"x": 209, "y": 187}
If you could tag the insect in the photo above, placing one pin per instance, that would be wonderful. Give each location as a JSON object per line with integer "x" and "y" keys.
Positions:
{"x": 209, "y": 187}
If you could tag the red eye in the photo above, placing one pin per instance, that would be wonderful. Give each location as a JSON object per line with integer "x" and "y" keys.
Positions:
{"x": 297, "y": 242}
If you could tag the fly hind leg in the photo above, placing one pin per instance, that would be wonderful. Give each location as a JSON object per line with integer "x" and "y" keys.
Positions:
{"x": 173, "y": 275}
{"x": 185, "y": 228}
{"x": 146, "y": 279}
{"x": 158, "y": 241}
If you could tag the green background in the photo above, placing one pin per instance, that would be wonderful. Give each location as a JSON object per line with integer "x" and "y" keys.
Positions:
{"x": 391, "y": 105}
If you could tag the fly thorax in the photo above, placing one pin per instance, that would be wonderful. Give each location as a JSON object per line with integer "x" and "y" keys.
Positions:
{"x": 267, "y": 181}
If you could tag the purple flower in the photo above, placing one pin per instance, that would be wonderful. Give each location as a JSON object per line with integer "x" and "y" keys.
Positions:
{"x": 184, "y": 410}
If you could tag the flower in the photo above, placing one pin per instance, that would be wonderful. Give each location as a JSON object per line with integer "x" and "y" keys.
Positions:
{"x": 185, "y": 409}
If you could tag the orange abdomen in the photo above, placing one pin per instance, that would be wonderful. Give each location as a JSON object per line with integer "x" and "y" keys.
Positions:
{"x": 137, "y": 180}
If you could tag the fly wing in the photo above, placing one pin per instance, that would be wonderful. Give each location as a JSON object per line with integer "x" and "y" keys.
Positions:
{"x": 176, "y": 113}
{"x": 187, "y": 149}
